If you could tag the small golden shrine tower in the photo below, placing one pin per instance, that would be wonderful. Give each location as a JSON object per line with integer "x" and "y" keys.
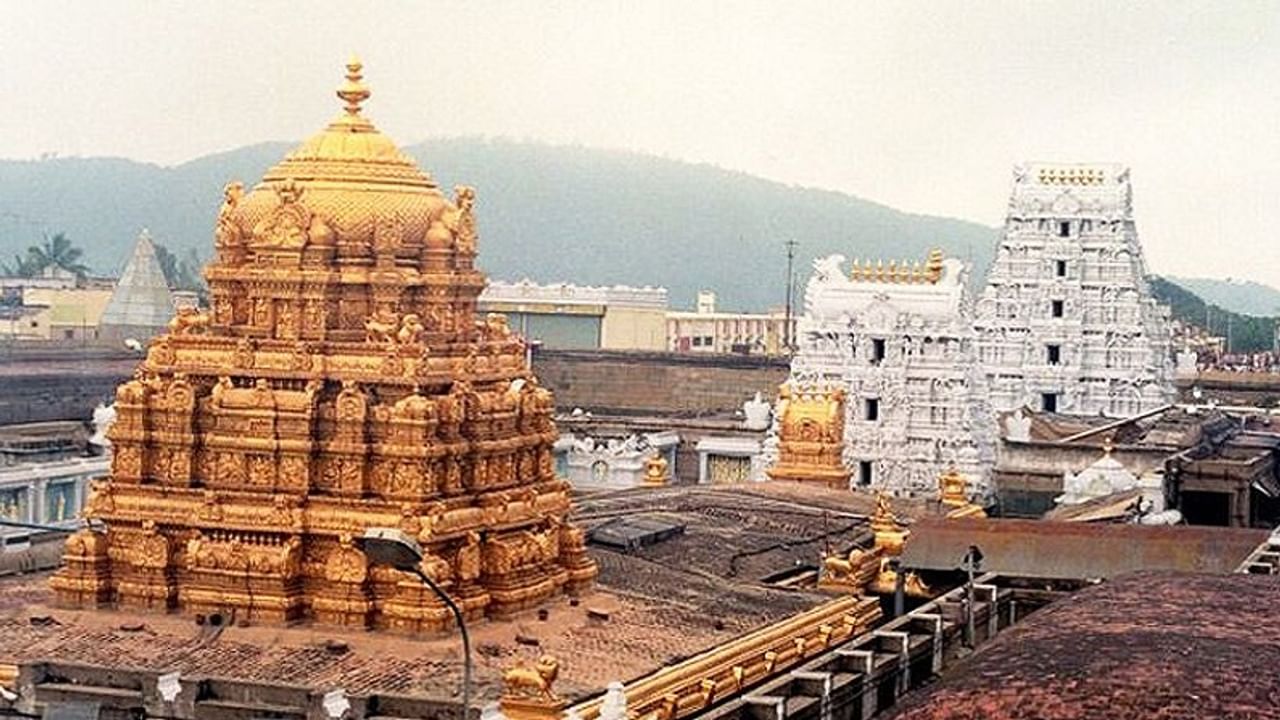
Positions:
{"x": 341, "y": 382}
{"x": 953, "y": 494}
{"x": 811, "y": 435}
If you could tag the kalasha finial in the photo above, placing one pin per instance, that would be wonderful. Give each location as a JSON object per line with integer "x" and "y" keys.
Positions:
{"x": 353, "y": 91}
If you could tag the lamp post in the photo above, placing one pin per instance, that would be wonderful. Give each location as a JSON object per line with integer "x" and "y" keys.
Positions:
{"x": 396, "y": 549}
{"x": 972, "y": 564}
{"x": 899, "y": 580}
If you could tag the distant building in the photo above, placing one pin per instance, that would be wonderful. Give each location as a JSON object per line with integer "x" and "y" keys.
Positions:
{"x": 897, "y": 340}
{"x": 578, "y": 317}
{"x": 51, "y": 493}
{"x": 1067, "y": 322}
{"x": 141, "y": 304}
{"x": 708, "y": 330}
{"x": 54, "y": 306}
{"x": 44, "y": 473}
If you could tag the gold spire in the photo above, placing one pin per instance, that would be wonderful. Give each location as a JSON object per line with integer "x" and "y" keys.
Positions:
{"x": 353, "y": 91}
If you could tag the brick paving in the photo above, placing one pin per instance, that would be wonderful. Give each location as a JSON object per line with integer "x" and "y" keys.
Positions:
{"x": 1147, "y": 645}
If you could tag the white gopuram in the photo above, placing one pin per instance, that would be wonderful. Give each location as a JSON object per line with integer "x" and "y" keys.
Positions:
{"x": 1066, "y": 322}
{"x": 899, "y": 339}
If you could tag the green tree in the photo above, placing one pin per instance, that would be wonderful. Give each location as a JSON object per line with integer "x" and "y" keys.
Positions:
{"x": 57, "y": 252}
{"x": 21, "y": 267}
{"x": 182, "y": 273}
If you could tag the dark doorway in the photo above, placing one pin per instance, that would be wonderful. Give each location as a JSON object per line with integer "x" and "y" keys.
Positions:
{"x": 864, "y": 472}
{"x": 1049, "y": 402}
{"x": 1206, "y": 508}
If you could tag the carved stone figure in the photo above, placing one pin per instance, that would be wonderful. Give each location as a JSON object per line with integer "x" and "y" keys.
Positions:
{"x": 534, "y": 682}
{"x": 381, "y": 327}
{"x": 411, "y": 330}
{"x": 226, "y": 233}
{"x": 188, "y": 321}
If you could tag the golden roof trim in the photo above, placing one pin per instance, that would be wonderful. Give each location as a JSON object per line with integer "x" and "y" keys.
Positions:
{"x": 1071, "y": 176}
{"x": 907, "y": 273}
{"x": 691, "y": 686}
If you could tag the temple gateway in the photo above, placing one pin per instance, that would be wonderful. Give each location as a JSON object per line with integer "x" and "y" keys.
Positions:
{"x": 884, "y": 390}
{"x": 342, "y": 381}
{"x": 1067, "y": 322}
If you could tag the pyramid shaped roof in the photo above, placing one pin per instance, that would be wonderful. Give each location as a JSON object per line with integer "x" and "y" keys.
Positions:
{"x": 142, "y": 296}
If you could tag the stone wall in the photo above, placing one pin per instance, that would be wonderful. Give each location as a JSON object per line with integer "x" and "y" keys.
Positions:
{"x": 1231, "y": 388}
{"x": 56, "y": 382}
{"x": 66, "y": 382}
{"x": 640, "y": 382}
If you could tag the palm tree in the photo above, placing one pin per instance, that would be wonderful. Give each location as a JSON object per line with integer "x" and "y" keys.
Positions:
{"x": 57, "y": 252}
{"x": 21, "y": 267}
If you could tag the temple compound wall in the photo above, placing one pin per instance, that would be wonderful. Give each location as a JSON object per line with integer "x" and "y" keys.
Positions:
{"x": 1067, "y": 322}
{"x": 341, "y": 381}
{"x": 893, "y": 345}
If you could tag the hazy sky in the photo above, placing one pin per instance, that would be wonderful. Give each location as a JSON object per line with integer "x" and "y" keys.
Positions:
{"x": 922, "y": 106}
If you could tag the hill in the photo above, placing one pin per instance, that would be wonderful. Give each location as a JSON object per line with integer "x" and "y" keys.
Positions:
{"x": 1240, "y": 296}
{"x": 1248, "y": 333}
{"x": 551, "y": 213}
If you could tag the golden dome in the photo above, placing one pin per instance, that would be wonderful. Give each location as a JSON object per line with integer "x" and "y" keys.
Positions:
{"x": 350, "y": 174}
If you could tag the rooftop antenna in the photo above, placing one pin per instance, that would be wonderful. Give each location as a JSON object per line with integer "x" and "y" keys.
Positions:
{"x": 786, "y": 328}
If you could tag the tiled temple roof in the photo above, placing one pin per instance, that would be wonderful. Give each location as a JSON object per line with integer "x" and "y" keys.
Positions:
{"x": 1148, "y": 645}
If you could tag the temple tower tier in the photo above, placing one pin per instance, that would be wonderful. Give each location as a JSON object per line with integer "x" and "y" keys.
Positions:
{"x": 1067, "y": 322}
{"x": 892, "y": 345}
{"x": 342, "y": 381}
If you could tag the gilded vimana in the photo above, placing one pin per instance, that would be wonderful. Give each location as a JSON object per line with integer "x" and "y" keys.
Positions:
{"x": 341, "y": 380}
{"x": 824, "y": 361}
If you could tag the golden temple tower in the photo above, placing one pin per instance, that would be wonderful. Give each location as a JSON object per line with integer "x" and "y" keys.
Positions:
{"x": 953, "y": 495}
{"x": 341, "y": 382}
{"x": 811, "y": 435}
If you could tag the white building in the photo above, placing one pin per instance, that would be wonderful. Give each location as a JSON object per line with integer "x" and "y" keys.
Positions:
{"x": 1066, "y": 322}
{"x": 581, "y": 317}
{"x": 614, "y": 463}
{"x": 50, "y": 493}
{"x": 709, "y": 330}
{"x": 900, "y": 340}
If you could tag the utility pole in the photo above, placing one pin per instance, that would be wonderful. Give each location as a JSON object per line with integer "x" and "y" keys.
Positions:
{"x": 972, "y": 564}
{"x": 791, "y": 255}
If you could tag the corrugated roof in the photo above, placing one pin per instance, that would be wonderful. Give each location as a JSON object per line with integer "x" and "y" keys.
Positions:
{"x": 1047, "y": 549}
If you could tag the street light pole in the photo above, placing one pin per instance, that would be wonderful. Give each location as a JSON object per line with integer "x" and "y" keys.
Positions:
{"x": 462, "y": 630}
{"x": 394, "y": 548}
{"x": 972, "y": 561}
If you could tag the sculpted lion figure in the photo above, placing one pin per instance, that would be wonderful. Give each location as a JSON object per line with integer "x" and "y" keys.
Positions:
{"x": 411, "y": 329}
{"x": 188, "y": 321}
{"x": 842, "y": 569}
{"x": 381, "y": 326}
{"x": 532, "y": 682}
{"x": 828, "y": 267}
{"x": 496, "y": 323}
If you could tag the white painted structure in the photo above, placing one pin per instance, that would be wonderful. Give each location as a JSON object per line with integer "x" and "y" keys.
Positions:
{"x": 568, "y": 294}
{"x": 902, "y": 344}
{"x": 1067, "y": 322}
{"x": 50, "y": 493}
{"x": 615, "y": 463}
{"x": 1104, "y": 476}
{"x": 729, "y": 460}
